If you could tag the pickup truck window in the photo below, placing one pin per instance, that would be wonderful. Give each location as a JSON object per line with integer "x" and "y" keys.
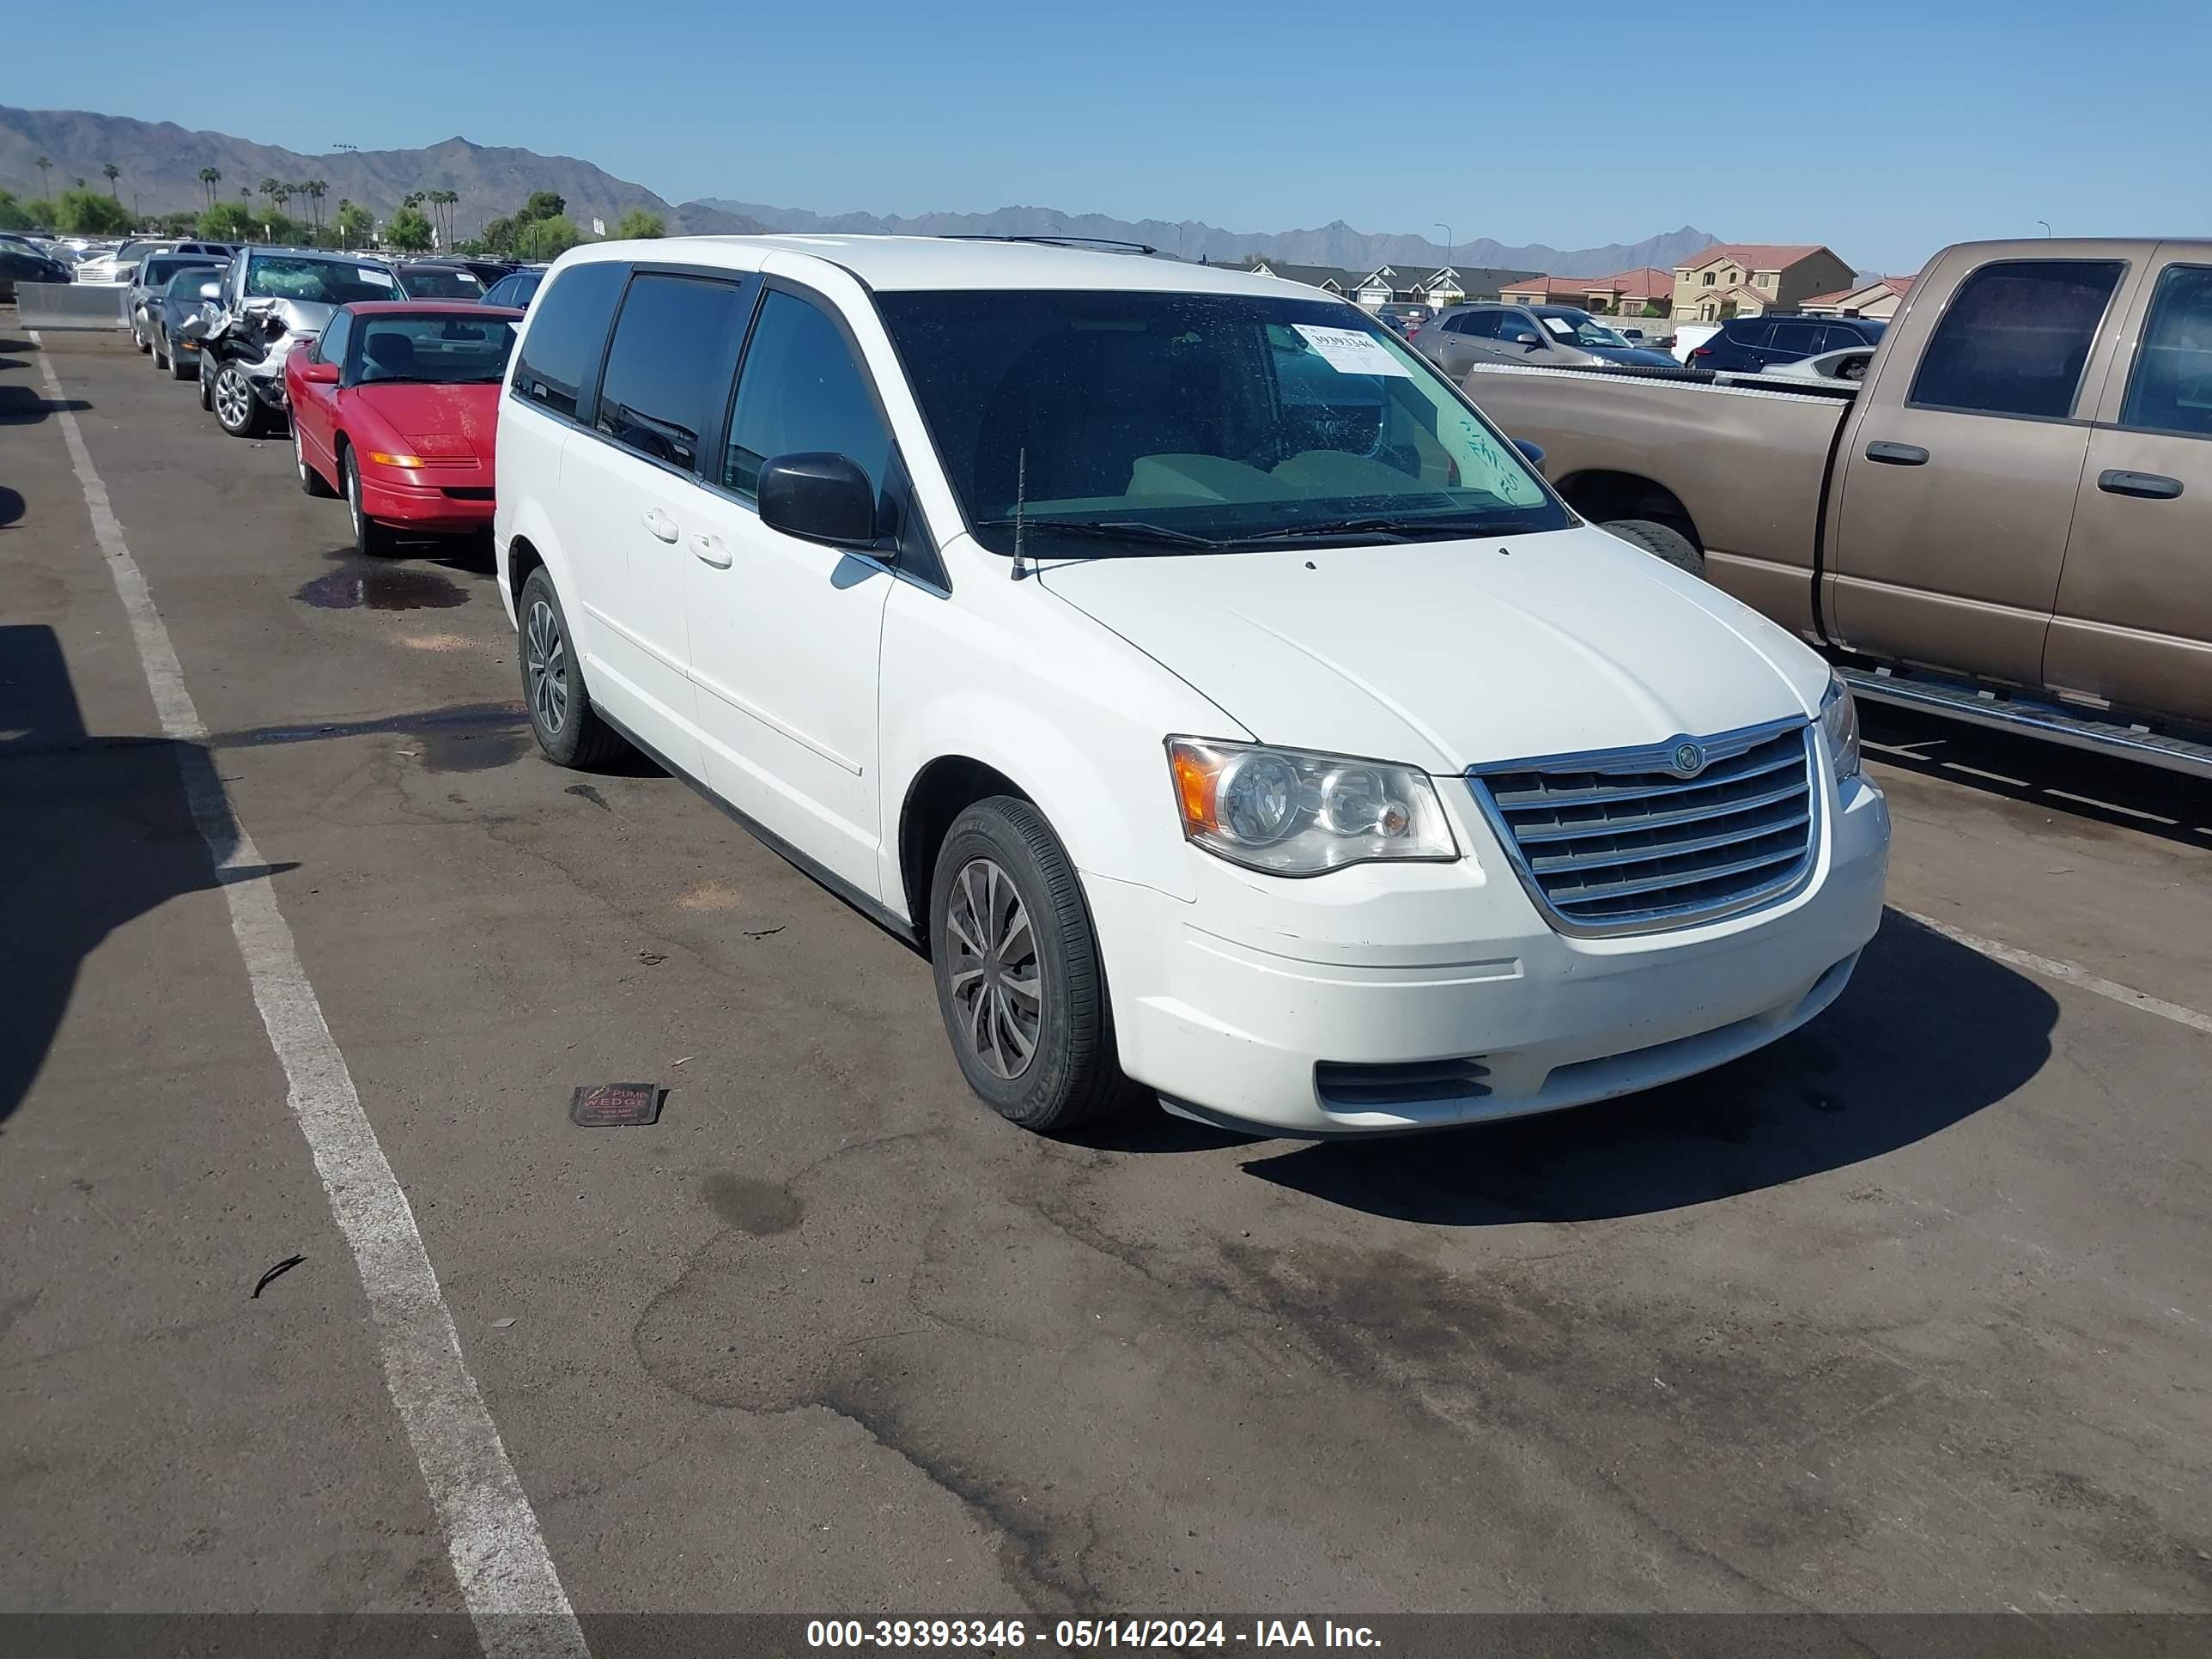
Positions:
{"x": 2016, "y": 339}
{"x": 2170, "y": 387}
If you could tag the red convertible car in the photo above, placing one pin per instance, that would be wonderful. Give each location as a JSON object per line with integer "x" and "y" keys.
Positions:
{"x": 395, "y": 407}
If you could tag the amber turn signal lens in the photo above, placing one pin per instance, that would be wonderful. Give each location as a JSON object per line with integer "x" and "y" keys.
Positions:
{"x": 1195, "y": 774}
{"x": 382, "y": 459}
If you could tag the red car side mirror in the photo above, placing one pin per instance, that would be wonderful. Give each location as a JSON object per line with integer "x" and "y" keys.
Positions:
{"x": 319, "y": 373}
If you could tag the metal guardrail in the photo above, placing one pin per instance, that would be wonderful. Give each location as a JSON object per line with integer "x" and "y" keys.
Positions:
{"x": 71, "y": 304}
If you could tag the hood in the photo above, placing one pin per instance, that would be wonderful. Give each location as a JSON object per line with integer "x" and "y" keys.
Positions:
{"x": 1641, "y": 355}
{"x": 451, "y": 423}
{"x": 1441, "y": 654}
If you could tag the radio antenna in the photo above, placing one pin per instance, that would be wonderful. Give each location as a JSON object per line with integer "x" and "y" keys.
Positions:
{"x": 1021, "y": 499}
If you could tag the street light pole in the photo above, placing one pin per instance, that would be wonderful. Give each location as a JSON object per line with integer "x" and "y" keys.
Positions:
{"x": 1446, "y": 229}
{"x": 2046, "y": 223}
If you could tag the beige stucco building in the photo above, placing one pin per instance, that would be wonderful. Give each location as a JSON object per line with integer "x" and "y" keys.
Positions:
{"x": 1740, "y": 279}
{"x": 1879, "y": 299}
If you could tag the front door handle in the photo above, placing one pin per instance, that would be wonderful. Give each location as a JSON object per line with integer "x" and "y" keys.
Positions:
{"x": 711, "y": 549}
{"x": 1892, "y": 454}
{"x": 661, "y": 525}
{"x": 2152, "y": 486}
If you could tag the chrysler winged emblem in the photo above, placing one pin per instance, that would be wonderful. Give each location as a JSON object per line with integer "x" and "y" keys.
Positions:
{"x": 1689, "y": 759}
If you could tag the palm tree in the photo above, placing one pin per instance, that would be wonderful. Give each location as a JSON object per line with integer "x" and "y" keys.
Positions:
{"x": 110, "y": 172}
{"x": 210, "y": 178}
{"x": 45, "y": 166}
{"x": 445, "y": 199}
{"x": 345, "y": 208}
{"x": 315, "y": 189}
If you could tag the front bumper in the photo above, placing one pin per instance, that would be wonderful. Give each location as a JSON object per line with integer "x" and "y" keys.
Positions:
{"x": 430, "y": 506}
{"x": 1227, "y": 1006}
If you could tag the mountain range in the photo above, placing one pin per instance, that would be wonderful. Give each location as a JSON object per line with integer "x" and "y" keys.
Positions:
{"x": 161, "y": 163}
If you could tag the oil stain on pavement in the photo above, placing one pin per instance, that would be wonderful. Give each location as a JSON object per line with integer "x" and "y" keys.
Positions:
{"x": 364, "y": 587}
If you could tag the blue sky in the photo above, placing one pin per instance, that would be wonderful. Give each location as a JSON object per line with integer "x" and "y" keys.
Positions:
{"x": 1964, "y": 118}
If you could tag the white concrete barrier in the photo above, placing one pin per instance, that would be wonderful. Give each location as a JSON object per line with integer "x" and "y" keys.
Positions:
{"x": 71, "y": 304}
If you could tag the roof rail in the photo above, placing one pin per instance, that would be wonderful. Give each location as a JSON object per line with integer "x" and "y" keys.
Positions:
{"x": 1106, "y": 244}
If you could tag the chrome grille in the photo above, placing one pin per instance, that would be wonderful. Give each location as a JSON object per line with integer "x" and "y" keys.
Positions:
{"x": 1625, "y": 841}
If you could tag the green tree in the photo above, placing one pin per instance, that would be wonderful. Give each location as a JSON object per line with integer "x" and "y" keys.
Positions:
{"x": 40, "y": 210}
{"x": 1653, "y": 308}
{"x": 546, "y": 239}
{"x": 210, "y": 178}
{"x": 541, "y": 205}
{"x": 353, "y": 224}
{"x": 315, "y": 190}
{"x": 110, "y": 172}
{"x": 12, "y": 216}
{"x": 408, "y": 231}
{"x": 639, "y": 225}
{"x": 88, "y": 213}
{"x": 499, "y": 236}
{"x": 228, "y": 221}
{"x": 179, "y": 224}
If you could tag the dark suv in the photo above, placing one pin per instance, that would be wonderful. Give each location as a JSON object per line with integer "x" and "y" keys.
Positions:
{"x": 1749, "y": 343}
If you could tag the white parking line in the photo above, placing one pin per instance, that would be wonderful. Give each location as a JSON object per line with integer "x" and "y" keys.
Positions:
{"x": 499, "y": 1555}
{"x": 2070, "y": 972}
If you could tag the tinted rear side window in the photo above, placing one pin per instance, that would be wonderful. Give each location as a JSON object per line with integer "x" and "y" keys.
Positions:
{"x": 1750, "y": 331}
{"x": 566, "y": 333}
{"x": 668, "y": 366}
{"x": 2171, "y": 389}
{"x": 2017, "y": 337}
{"x": 1802, "y": 339}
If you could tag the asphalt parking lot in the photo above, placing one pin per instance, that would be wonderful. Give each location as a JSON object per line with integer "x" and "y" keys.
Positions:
{"x": 1909, "y": 1311}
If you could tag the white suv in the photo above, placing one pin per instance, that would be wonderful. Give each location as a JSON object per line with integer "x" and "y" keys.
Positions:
{"x": 1218, "y": 699}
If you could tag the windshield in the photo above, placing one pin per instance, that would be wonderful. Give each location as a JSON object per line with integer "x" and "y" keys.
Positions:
{"x": 186, "y": 283}
{"x": 433, "y": 282}
{"x": 1188, "y": 420}
{"x": 1579, "y": 327}
{"x": 316, "y": 282}
{"x": 440, "y": 351}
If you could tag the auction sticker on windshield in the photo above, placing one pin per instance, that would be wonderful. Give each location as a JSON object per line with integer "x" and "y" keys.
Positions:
{"x": 1348, "y": 351}
{"x": 371, "y": 275}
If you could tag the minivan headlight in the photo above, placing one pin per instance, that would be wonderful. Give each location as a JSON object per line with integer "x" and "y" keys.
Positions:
{"x": 1840, "y": 727}
{"x": 1291, "y": 813}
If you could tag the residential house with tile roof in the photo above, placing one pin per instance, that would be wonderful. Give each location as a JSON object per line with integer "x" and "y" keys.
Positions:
{"x": 1748, "y": 279}
{"x": 1624, "y": 293}
{"x": 1878, "y": 300}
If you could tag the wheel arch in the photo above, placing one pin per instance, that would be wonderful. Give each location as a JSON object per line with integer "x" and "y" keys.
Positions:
{"x": 1603, "y": 495}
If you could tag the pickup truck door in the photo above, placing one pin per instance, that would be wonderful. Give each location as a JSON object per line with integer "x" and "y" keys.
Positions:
{"x": 1958, "y": 479}
{"x": 2133, "y": 618}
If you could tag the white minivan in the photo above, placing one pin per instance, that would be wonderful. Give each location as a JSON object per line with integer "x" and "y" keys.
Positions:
{"x": 1228, "y": 711}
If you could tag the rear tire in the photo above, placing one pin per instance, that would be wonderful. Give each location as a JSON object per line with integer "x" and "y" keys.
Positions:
{"x": 567, "y": 728}
{"x": 1660, "y": 540}
{"x": 311, "y": 481}
{"x": 1019, "y": 982}
{"x": 371, "y": 540}
{"x": 140, "y": 336}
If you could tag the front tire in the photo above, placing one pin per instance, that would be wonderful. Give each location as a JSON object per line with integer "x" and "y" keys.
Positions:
{"x": 207, "y": 384}
{"x": 567, "y": 728}
{"x": 181, "y": 371}
{"x": 140, "y": 336}
{"x": 237, "y": 409}
{"x": 371, "y": 540}
{"x": 1660, "y": 540}
{"x": 1019, "y": 981}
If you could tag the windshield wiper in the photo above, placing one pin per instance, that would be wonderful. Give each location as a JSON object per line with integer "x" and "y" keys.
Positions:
{"x": 1110, "y": 530}
{"x": 1384, "y": 528}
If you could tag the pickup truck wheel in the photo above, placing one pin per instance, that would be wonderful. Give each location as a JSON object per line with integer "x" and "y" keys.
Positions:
{"x": 1662, "y": 541}
{"x": 1018, "y": 977}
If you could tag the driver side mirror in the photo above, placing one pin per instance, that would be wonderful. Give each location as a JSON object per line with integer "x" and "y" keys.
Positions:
{"x": 319, "y": 373}
{"x": 210, "y": 290}
{"x": 1525, "y": 338}
{"x": 1533, "y": 452}
{"x": 819, "y": 497}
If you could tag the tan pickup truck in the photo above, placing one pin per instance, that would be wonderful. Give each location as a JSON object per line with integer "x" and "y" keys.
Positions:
{"x": 2008, "y": 520}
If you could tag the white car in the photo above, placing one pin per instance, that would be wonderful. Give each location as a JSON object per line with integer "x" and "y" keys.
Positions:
{"x": 1847, "y": 363}
{"x": 1218, "y": 698}
{"x": 1688, "y": 337}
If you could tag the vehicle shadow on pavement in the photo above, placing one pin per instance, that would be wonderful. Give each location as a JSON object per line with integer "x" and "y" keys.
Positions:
{"x": 1928, "y": 1033}
{"x": 2086, "y": 788}
{"x": 20, "y": 405}
{"x": 93, "y": 832}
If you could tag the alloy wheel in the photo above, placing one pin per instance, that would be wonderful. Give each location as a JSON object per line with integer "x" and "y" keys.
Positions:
{"x": 545, "y": 656}
{"x": 232, "y": 400}
{"x": 998, "y": 991}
